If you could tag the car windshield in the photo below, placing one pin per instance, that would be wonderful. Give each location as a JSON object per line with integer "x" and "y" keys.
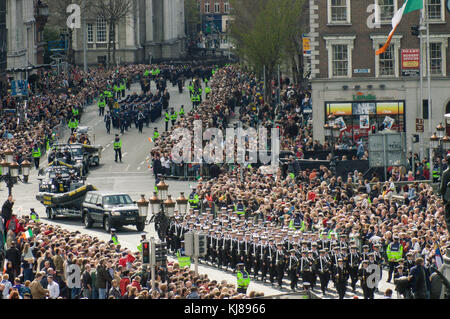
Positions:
{"x": 77, "y": 151}
{"x": 117, "y": 200}
{"x": 64, "y": 173}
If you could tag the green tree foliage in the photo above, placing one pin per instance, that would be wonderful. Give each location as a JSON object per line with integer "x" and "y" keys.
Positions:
{"x": 192, "y": 17}
{"x": 263, "y": 31}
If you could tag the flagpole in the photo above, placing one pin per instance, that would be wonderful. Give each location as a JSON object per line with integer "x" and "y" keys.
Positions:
{"x": 420, "y": 110}
{"x": 430, "y": 112}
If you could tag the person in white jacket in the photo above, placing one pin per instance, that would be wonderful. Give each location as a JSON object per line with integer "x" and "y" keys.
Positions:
{"x": 53, "y": 288}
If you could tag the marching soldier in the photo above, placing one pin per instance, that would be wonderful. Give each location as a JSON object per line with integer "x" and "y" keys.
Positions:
{"x": 293, "y": 269}
{"x": 107, "y": 120}
{"x": 248, "y": 253}
{"x": 255, "y": 253}
{"x": 365, "y": 253}
{"x": 353, "y": 260}
{"x": 341, "y": 278}
{"x": 264, "y": 258}
{"x": 363, "y": 277}
{"x": 323, "y": 270}
{"x": 306, "y": 268}
{"x": 279, "y": 264}
{"x": 271, "y": 260}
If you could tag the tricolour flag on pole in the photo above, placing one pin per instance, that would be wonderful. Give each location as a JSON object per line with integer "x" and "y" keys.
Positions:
{"x": 25, "y": 235}
{"x": 408, "y": 6}
{"x": 150, "y": 140}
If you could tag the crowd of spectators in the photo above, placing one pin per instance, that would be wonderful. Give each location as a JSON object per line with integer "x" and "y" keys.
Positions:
{"x": 37, "y": 268}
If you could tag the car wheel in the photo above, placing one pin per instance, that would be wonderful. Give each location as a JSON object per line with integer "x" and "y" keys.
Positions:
{"x": 140, "y": 226}
{"x": 48, "y": 211}
{"x": 107, "y": 225}
{"x": 87, "y": 221}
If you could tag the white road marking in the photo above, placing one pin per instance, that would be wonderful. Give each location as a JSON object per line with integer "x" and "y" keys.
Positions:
{"x": 107, "y": 145}
{"x": 124, "y": 154}
{"x": 139, "y": 168}
{"x": 128, "y": 167}
{"x": 141, "y": 163}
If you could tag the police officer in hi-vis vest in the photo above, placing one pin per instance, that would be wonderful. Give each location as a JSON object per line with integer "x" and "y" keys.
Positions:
{"x": 118, "y": 148}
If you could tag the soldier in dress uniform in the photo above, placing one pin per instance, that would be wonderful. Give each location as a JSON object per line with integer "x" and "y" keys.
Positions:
{"x": 335, "y": 255}
{"x": 248, "y": 258}
{"x": 353, "y": 261}
{"x": 341, "y": 278}
{"x": 280, "y": 264}
{"x": 226, "y": 244}
{"x": 365, "y": 252}
{"x": 342, "y": 241}
{"x": 409, "y": 263}
{"x": 306, "y": 268}
{"x": 292, "y": 268}
{"x": 323, "y": 270}
{"x": 363, "y": 275}
{"x": 271, "y": 260}
{"x": 264, "y": 258}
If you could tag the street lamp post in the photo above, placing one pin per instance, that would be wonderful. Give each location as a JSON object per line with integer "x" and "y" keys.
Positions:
{"x": 440, "y": 143}
{"x": 10, "y": 170}
{"x": 162, "y": 209}
{"x": 330, "y": 128}
{"x": 182, "y": 205}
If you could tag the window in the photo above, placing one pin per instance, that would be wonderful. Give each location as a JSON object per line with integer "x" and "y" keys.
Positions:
{"x": 338, "y": 11}
{"x": 387, "y": 9}
{"x": 226, "y": 7}
{"x": 216, "y": 6}
{"x": 340, "y": 60}
{"x": 90, "y": 33}
{"x": 207, "y": 7}
{"x": 101, "y": 29}
{"x": 435, "y": 10}
{"x": 387, "y": 62}
{"x": 436, "y": 58}
{"x": 339, "y": 55}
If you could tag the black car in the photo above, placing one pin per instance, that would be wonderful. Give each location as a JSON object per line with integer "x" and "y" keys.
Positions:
{"x": 112, "y": 210}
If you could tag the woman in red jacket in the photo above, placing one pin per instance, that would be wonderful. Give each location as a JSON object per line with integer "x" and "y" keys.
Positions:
{"x": 17, "y": 228}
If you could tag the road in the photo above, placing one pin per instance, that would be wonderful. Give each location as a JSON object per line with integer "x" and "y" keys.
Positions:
{"x": 134, "y": 177}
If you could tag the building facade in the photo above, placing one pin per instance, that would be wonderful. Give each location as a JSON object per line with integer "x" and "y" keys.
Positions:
{"x": 21, "y": 35}
{"x": 153, "y": 30}
{"x": 364, "y": 90}
{"x": 215, "y": 14}
{"x": 3, "y": 46}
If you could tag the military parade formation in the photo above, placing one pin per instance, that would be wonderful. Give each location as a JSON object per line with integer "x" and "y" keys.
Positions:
{"x": 312, "y": 258}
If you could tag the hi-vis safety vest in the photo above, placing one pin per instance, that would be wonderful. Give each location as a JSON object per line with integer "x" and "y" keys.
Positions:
{"x": 167, "y": 117}
{"x": 181, "y": 111}
{"x": 243, "y": 279}
{"x": 239, "y": 209}
{"x": 394, "y": 251}
{"x": 118, "y": 145}
{"x": 173, "y": 116}
{"x": 36, "y": 152}
{"x": 183, "y": 261}
{"x": 155, "y": 135}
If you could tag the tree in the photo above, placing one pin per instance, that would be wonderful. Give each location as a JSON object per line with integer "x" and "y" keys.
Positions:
{"x": 192, "y": 17}
{"x": 263, "y": 31}
{"x": 113, "y": 11}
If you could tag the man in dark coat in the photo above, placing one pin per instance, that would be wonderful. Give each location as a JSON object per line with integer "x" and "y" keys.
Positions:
{"x": 7, "y": 210}
{"x": 13, "y": 255}
{"x": 443, "y": 189}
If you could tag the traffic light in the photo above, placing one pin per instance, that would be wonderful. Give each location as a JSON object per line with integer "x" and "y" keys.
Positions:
{"x": 374, "y": 129}
{"x": 199, "y": 244}
{"x": 415, "y": 30}
{"x": 145, "y": 252}
{"x": 161, "y": 252}
{"x": 189, "y": 244}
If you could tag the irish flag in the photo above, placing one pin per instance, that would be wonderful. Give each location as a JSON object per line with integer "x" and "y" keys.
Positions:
{"x": 25, "y": 235}
{"x": 408, "y": 6}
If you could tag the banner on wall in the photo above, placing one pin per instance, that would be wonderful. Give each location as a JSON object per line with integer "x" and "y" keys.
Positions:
{"x": 364, "y": 108}
{"x": 364, "y": 121}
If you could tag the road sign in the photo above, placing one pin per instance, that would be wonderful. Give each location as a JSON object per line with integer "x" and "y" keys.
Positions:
{"x": 199, "y": 244}
{"x": 189, "y": 244}
{"x": 419, "y": 125}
